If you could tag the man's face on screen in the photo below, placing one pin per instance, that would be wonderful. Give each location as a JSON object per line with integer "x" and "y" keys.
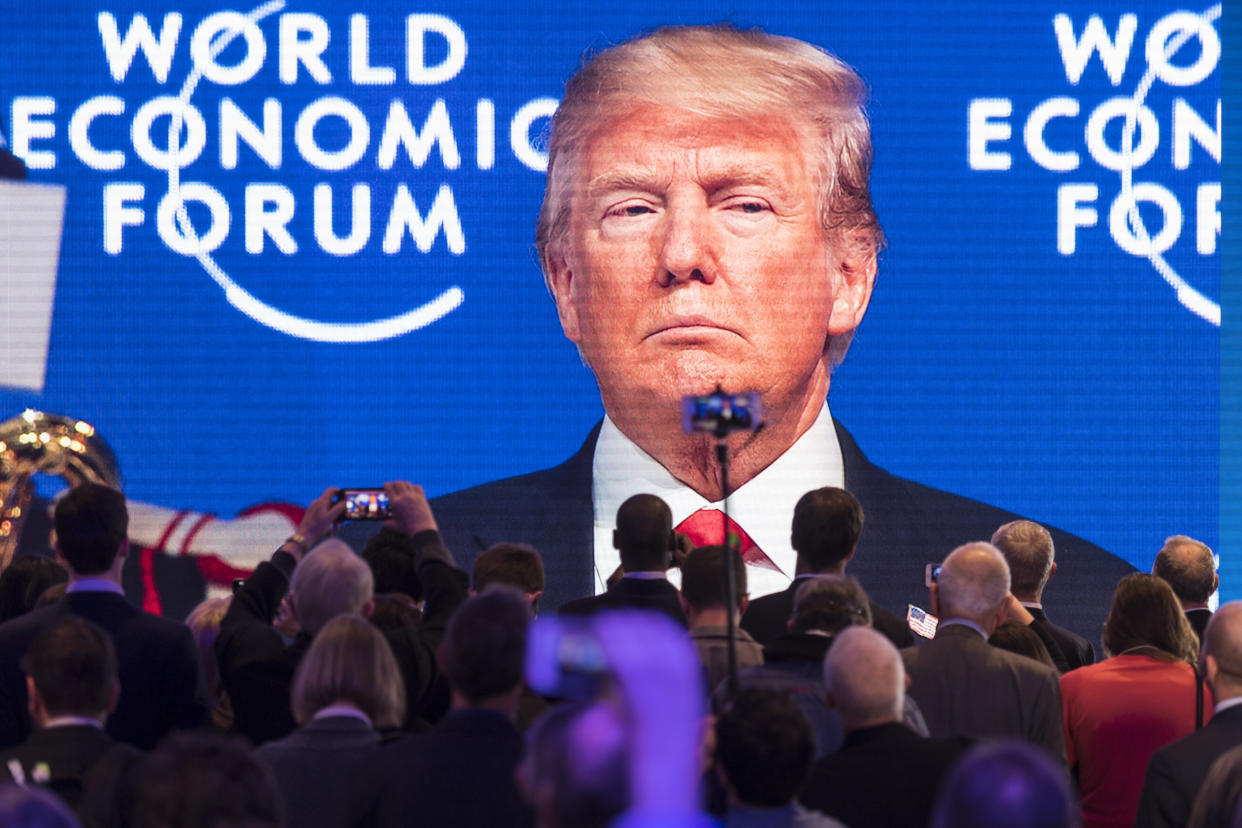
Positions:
{"x": 695, "y": 257}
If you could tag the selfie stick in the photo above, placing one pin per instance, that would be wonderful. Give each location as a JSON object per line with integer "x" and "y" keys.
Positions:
{"x": 731, "y": 543}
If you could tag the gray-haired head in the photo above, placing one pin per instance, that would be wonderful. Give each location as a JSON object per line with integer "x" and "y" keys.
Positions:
{"x": 973, "y": 583}
{"x": 1028, "y": 550}
{"x": 864, "y": 676}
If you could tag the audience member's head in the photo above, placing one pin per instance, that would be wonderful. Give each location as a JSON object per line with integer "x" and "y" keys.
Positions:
{"x": 200, "y": 779}
{"x": 395, "y": 611}
{"x": 51, "y": 595}
{"x": 575, "y": 769}
{"x": 1189, "y": 567}
{"x": 829, "y": 604}
{"x": 764, "y": 748}
{"x": 644, "y": 534}
{"x": 1222, "y": 651}
{"x": 71, "y": 671}
{"x": 1146, "y": 617}
{"x": 392, "y": 567}
{"x": 1028, "y": 550}
{"x": 512, "y": 564}
{"x": 703, "y": 580}
{"x": 1021, "y": 639}
{"x": 973, "y": 584}
{"x": 330, "y": 581}
{"x": 1006, "y": 785}
{"x": 864, "y": 678}
{"x": 484, "y": 647}
{"x": 23, "y": 581}
{"x": 34, "y": 807}
{"x": 349, "y": 662}
{"x": 204, "y": 623}
{"x": 91, "y": 523}
{"x": 826, "y": 526}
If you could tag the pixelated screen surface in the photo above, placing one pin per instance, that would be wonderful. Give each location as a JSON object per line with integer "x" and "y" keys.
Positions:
{"x": 348, "y": 293}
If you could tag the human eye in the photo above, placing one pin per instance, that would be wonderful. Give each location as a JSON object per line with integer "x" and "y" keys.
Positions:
{"x": 629, "y": 209}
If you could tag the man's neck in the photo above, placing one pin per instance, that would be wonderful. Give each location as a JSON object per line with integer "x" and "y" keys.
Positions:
{"x": 711, "y": 617}
{"x": 692, "y": 458}
{"x": 505, "y": 704}
{"x": 848, "y": 727}
{"x": 803, "y": 568}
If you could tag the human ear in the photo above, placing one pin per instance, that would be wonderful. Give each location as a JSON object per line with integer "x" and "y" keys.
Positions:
{"x": 854, "y": 278}
{"x": 561, "y": 284}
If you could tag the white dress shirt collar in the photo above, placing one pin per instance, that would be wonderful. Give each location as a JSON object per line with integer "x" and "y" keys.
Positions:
{"x": 763, "y": 506}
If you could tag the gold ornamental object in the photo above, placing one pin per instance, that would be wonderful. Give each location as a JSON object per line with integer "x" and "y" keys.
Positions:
{"x": 33, "y": 443}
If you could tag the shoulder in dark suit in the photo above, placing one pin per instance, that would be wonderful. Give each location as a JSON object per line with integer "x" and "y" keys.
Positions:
{"x": 458, "y": 773}
{"x": 83, "y": 766}
{"x": 1199, "y": 619}
{"x": 631, "y": 593}
{"x": 161, "y": 679}
{"x": 767, "y": 616}
{"x": 1078, "y": 651}
{"x": 884, "y": 775}
{"x": 312, "y": 766}
{"x": 1176, "y": 771}
{"x": 966, "y": 687}
{"x": 908, "y": 525}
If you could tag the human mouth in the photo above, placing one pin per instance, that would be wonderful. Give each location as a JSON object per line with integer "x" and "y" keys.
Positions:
{"x": 688, "y": 326}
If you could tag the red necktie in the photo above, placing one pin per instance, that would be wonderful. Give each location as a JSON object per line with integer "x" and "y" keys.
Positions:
{"x": 706, "y": 527}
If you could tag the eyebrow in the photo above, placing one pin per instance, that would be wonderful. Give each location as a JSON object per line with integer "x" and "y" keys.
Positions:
{"x": 730, "y": 175}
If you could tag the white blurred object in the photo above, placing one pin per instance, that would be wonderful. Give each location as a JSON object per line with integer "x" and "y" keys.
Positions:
{"x": 31, "y": 217}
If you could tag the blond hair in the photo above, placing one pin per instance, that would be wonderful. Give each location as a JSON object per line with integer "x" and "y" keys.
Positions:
{"x": 349, "y": 661}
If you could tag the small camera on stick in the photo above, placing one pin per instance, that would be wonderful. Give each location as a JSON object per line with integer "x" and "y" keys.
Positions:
{"x": 721, "y": 413}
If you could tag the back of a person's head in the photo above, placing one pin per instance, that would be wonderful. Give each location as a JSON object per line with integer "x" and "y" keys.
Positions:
{"x": 201, "y": 779}
{"x": 644, "y": 530}
{"x": 1021, "y": 639}
{"x": 395, "y": 611}
{"x": 517, "y": 565}
{"x": 1006, "y": 785}
{"x": 865, "y": 678}
{"x": 1222, "y": 640}
{"x": 33, "y": 807}
{"x": 703, "y": 577}
{"x": 484, "y": 646}
{"x": 73, "y": 666}
{"x": 23, "y": 581}
{"x": 826, "y": 525}
{"x": 1146, "y": 615}
{"x": 349, "y": 661}
{"x": 1188, "y": 566}
{"x": 1028, "y": 550}
{"x": 575, "y": 769}
{"x": 765, "y": 746}
{"x": 392, "y": 566}
{"x": 829, "y": 604}
{"x": 91, "y": 524}
{"x": 331, "y": 580}
{"x": 973, "y": 582}
{"x": 204, "y": 623}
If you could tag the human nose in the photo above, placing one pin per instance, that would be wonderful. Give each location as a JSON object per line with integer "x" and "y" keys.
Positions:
{"x": 686, "y": 254}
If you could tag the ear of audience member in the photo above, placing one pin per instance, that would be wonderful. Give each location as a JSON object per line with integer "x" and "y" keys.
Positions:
{"x": 395, "y": 610}
{"x": 460, "y": 772}
{"x": 204, "y": 623}
{"x": 347, "y": 686}
{"x": 23, "y": 581}
{"x": 30, "y": 807}
{"x": 575, "y": 770}
{"x": 202, "y": 779}
{"x": 1008, "y": 784}
{"x": 1016, "y": 638}
{"x": 513, "y": 564}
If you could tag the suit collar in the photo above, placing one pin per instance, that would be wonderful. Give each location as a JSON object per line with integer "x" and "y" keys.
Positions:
{"x": 888, "y": 732}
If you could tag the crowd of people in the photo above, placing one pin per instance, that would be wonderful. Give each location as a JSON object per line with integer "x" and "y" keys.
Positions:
{"x": 390, "y": 688}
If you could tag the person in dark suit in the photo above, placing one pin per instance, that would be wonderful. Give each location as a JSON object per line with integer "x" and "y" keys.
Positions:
{"x": 1029, "y": 551}
{"x": 883, "y": 773}
{"x": 157, "y": 662}
{"x": 666, "y": 293}
{"x": 461, "y": 772}
{"x": 1176, "y": 772}
{"x": 72, "y": 686}
{"x": 346, "y": 688}
{"x": 1190, "y": 568}
{"x": 706, "y": 602}
{"x": 645, "y": 540}
{"x": 826, "y": 525}
{"x": 256, "y": 664}
{"x": 965, "y": 686}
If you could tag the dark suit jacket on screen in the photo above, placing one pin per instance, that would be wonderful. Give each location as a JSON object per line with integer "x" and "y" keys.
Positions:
{"x": 157, "y": 663}
{"x": 631, "y": 593}
{"x": 1176, "y": 771}
{"x": 767, "y": 617}
{"x": 967, "y": 687}
{"x": 908, "y": 525}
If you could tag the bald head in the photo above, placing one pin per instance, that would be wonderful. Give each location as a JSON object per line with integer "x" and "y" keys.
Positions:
{"x": 864, "y": 678}
{"x": 973, "y": 584}
{"x": 1222, "y": 651}
{"x": 644, "y": 527}
{"x": 1188, "y": 566}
